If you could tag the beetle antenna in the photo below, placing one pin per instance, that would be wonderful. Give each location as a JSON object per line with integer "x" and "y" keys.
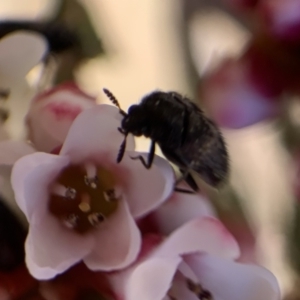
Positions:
{"x": 114, "y": 100}
{"x": 122, "y": 150}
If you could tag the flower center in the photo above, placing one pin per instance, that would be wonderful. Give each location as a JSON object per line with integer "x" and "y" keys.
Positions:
{"x": 194, "y": 287}
{"x": 83, "y": 197}
{"x": 198, "y": 290}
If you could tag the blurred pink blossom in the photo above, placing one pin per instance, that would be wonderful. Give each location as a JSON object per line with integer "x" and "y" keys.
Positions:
{"x": 52, "y": 113}
{"x": 81, "y": 204}
{"x": 235, "y": 97}
{"x": 195, "y": 262}
{"x": 282, "y": 18}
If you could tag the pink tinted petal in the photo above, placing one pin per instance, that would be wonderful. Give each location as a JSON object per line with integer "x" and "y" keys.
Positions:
{"x": 117, "y": 242}
{"x": 179, "y": 209}
{"x": 11, "y": 151}
{"x": 118, "y": 280}
{"x": 69, "y": 86}
{"x": 203, "y": 234}
{"x": 152, "y": 279}
{"x": 51, "y": 116}
{"x": 146, "y": 189}
{"x": 51, "y": 248}
{"x": 19, "y": 52}
{"x": 228, "y": 280}
{"x": 95, "y": 131}
{"x": 31, "y": 176}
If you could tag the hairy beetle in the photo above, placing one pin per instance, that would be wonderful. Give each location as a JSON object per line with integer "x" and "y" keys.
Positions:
{"x": 185, "y": 135}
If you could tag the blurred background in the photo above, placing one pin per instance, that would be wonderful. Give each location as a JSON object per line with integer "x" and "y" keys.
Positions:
{"x": 203, "y": 49}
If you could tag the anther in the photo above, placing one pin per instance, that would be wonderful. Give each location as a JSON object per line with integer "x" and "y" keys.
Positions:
{"x": 70, "y": 193}
{"x": 84, "y": 207}
{"x": 197, "y": 289}
{"x": 92, "y": 182}
{"x": 71, "y": 221}
{"x": 96, "y": 218}
{"x": 205, "y": 295}
{"x": 110, "y": 195}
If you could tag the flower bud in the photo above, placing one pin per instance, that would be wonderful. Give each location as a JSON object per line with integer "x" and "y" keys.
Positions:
{"x": 52, "y": 113}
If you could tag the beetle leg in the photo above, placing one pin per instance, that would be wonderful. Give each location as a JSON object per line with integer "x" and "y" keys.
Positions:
{"x": 122, "y": 150}
{"x": 188, "y": 179}
{"x": 180, "y": 190}
{"x": 150, "y": 158}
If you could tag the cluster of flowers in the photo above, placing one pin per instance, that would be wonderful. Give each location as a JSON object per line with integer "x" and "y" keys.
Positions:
{"x": 244, "y": 91}
{"x": 125, "y": 223}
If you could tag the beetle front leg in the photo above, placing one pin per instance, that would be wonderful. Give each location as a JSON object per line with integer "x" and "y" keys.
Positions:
{"x": 150, "y": 159}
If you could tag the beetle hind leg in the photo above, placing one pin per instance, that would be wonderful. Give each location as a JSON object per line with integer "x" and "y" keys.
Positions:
{"x": 188, "y": 178}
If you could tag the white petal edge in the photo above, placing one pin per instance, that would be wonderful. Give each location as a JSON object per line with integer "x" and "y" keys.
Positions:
{"x": 31, "y": 176}
{"x": 117, "y": 242}
{"x": 204, "y": 235}
{"x": 228, "y": 280}
{"x": 95, "y": 131}
{"x": 51, "y": 248}
{"x": 180, "y": 209}
{"x": 147, "y": 189}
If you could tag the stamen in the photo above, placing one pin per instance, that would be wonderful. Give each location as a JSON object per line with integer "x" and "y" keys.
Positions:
{"x": 70, "y": 193}
{"x": 197, "y": 289}
{"x": 91, "y": 170}
{"x": 84, "y": 207}
{"x": 91, "y": 181}
{"x": 71, "y": 221}
{"x": 91, "y": 178}
{"x": 110, "y": 195}
{"x": 66, "y": 192}
{"x": 92, "y": 201}
{"x": 96, "y": 218}
{"x": 85, "y": 204}
{"x": 59, "y": 190}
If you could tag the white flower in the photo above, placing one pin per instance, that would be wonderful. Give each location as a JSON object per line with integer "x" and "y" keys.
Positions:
{"x": 52, "y": 113}
{"x": 81, "y": 204}
{"x": 179, "y": 209}
{"x": 195, "y": 262}
{"x": 19, "y": 53}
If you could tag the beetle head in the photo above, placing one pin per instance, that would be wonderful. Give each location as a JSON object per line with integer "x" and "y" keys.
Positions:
{"x": 136, "y": 121}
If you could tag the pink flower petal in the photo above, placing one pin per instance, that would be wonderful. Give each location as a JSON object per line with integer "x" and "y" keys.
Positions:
{"x": 179, "y": 209}
{"x": 53, "y": 112}
{"x": 146, "y": 189}
{"x": 31, "y": 176}
{"x": 228, "y": 280}
{"x": 20, "y": 52}
{"x": 232, "y": 98}
{"x": 281, "y": 18}
{"x": 95, "y": 131}
{"x": 11, "y": 151}
{"x": 117, "y": 242}
{"x": 51, "y": 248}
{"x": 119, "y": 280}
{"x": 203, "y": 234}
{"x": 152, "y": 279}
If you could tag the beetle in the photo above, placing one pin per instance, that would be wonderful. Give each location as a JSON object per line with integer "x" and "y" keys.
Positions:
{"x": 184, "y": 134}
